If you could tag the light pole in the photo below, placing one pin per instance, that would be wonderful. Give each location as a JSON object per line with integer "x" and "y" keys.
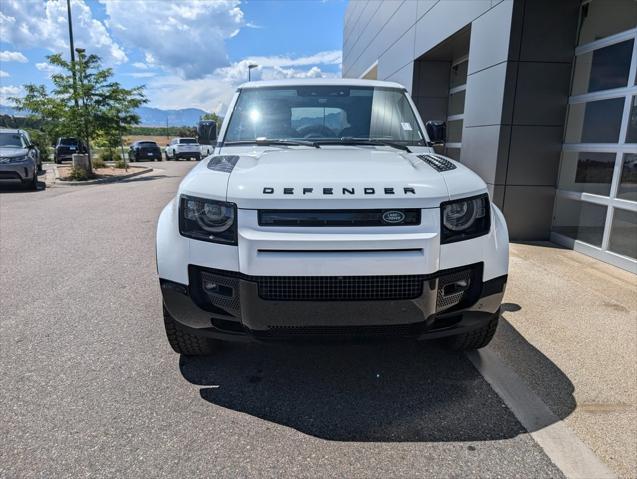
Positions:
{"x": 80, "y": 55}
{"x": 68, "y": 11}
{"x": 250, "y": 67}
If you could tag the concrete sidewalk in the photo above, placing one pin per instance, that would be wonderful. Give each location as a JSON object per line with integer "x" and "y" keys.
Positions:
{"x": 570, "y": 332}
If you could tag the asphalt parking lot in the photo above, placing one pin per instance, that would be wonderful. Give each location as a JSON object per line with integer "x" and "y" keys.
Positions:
{"x": 89, "y": 385}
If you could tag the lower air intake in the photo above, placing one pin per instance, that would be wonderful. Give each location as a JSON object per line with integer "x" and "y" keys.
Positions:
{"x": 340, "y": 288}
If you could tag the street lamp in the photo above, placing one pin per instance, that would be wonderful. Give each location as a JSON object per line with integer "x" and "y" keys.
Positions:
{"x": 80, "y": 54}
{"x": 250, "y": 67}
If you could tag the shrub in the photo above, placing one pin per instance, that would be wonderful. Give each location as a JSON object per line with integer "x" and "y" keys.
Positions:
{"x": 78, "y": 174}
{"x": 120, "y": 164}
{"x": 98, "y": 163}
{"x": 109, "y": 155}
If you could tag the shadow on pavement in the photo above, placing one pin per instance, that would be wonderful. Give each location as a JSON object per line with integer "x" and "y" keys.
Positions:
{"x": 19, "y": 188}
{"x": 383, "y": 392}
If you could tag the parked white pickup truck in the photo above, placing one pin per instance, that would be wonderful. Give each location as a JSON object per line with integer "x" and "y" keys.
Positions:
{"x": 324, "y": 212}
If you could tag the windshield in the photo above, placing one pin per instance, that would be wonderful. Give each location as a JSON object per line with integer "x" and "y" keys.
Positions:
{"x": 187, "y": 140}
{"x": 68, "y": 141}
{"x": 147, "y": 144}
{"x": 12, "y": 140}
{"x": 335, "y": 113}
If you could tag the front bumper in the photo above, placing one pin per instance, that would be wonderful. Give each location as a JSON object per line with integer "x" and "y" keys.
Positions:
{"x": 17, "y": 172}
{"x": 185, "y": 154}
{"x": 243, "y": 308}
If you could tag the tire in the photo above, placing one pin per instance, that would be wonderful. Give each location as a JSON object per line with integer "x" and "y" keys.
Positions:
{"x": 475, "y": 339}
{"x": 166, "y": 154}
{"x": 184, "y": 342}
{"x": 33, "y": 184}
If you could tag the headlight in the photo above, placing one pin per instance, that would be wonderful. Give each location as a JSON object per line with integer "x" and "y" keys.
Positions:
{"x": 20, "y": 159}
{"x": 208, "y": 220}
{"x": 465, "y": 219}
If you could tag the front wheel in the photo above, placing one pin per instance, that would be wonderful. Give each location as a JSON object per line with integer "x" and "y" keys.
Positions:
{"x": 475, "y": 339}
{"x": 184, "y": 342}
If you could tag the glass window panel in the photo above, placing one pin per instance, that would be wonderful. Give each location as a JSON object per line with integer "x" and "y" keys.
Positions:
{"x": 595, "y": 122}
{"x": 453, "y": 153}
{"x": 628, "y": 183}
{"x": 579, "y": 220}
{"x": 623, "y": 233}
{"x": 602, "y": 18}
{"x": 459, "y": 74}
{"x": 587, "y": 172}
{"x": 603, "y": 69}
{"x": 454, "y": 131}
{"x": 456, "y": 103}
{"x": 631, "y": 133}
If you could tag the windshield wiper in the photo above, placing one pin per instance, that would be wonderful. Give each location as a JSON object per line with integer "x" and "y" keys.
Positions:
{"x": 363, "y": 141}
{"x": 269, "y": 142}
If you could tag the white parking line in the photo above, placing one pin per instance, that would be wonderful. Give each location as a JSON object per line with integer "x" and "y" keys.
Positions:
{"x": 559, "y": 443}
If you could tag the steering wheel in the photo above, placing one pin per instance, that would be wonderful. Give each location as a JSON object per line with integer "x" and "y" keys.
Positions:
{"x": 316, "y": 131}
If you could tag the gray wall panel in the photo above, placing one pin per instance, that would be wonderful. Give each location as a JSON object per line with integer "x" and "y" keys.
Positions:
{"x": 528, "y": 211}
{"x": 490, "y": 37}
{"x": 534, "y": 155}
{"x": 549, "y": 30}
{"x": 485, "y": 151}
{"x": 397, "y": 56}
{"x": 404, "y": 76}
{"x": 444, "y": 19}
{"x": 541, "y": 93}
{"x": 485, "y": 96}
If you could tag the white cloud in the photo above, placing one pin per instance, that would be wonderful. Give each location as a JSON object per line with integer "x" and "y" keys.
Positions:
{"x": 32, "y": 23}
{"x": 9, "y": 91}
{"x": 214, "y": 92}
{"x": 140, "y": 65}
{"x": 7, "y": 56}
{"x": 4, "y": 74}
{"x": 142, "y": 74}
{"x": 48, "y": 68}
{"x": 185, "y": 37}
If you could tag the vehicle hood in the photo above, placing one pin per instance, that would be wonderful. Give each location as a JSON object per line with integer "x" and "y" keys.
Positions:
{"x": 330, "y": 177}
{"x": 9, "y": 152}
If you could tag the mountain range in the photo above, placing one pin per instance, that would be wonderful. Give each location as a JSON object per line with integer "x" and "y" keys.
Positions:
{"x": 149, "y": 116}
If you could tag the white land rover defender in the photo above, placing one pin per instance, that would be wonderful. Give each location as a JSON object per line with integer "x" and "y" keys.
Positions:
{"x": 324, "y": 212}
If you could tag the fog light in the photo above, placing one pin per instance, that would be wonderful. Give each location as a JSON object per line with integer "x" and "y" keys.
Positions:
{"x": 455, "y": 287}
{"x": 210, "y": 286}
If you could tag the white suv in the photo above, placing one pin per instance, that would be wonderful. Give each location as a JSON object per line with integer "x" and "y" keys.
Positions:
{"x": 183, "y": 148}
{"x": 324, "y": 212}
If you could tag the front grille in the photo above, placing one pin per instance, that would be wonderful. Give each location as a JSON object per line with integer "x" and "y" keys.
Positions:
{"x": 361, "y": 218}
{"x": 9, "y": 175}
{"x": 343, "y": 288}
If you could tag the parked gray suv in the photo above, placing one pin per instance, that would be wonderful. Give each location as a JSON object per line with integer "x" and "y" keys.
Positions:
{"x": 19, "y": 158}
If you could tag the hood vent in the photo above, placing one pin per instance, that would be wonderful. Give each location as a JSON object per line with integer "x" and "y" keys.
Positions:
{"x": 224, "y": 164}
{"x": 438, "y": 163}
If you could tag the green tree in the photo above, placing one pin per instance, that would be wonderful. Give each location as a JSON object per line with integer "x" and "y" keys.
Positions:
{"x": 93, "y": 107}
{"x": 214, "y": 117}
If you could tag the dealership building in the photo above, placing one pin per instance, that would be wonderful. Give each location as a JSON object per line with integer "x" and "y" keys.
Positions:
{"x": 539, "y": 97}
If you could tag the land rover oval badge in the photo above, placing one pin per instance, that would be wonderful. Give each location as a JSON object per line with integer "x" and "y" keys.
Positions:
{"x": 393, "y": 217}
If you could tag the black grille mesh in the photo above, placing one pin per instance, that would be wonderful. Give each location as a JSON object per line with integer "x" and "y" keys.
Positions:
{"x": 345, "y": 288}
{"x": 438, "y": 163}
{"x": 445, "y": 302}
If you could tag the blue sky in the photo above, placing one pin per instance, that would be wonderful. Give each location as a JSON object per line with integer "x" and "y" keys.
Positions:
{"x": 189, "y": 53}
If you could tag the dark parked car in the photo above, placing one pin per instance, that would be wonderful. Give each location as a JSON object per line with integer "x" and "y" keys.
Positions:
{"x": 65, "y": 148}
{"x": 144, "y": 150}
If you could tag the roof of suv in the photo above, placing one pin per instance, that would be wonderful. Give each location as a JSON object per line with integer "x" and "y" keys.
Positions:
{"x": 322, "y": 81}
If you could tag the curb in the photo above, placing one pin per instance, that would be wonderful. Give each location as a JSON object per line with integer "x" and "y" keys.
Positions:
{"x": 112, "y": 179}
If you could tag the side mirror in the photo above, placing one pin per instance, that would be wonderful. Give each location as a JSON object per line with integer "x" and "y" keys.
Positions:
{"x": 207, "y": 132}
{"x": 436, "y": 131}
